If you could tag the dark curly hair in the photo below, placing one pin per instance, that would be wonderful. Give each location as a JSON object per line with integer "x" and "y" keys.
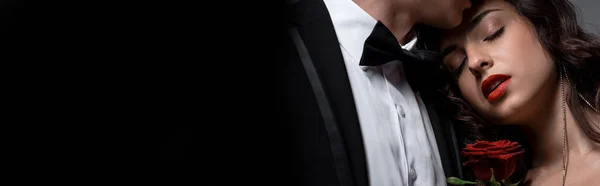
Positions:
{"x": 571, "y": 48}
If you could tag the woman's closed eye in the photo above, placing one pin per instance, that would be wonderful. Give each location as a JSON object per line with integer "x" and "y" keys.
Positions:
{"x": 460, "y": 67}
{"x": 491, "y": 37}
{"x": 495, "y": 35}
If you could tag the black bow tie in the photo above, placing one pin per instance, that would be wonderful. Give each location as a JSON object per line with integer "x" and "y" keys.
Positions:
{"x": 382, "y": 47}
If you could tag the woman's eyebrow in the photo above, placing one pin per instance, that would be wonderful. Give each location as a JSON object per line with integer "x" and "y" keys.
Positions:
{"x": 474, "y": 22}
{"x": 479, "y": 17}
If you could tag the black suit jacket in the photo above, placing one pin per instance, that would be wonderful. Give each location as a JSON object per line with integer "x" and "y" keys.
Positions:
{"x": 327, "y": 144}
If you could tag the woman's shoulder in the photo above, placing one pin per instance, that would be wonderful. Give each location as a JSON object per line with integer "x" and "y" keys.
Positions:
{"x": 540, "y": 176}
{"x": 531, "y": 173}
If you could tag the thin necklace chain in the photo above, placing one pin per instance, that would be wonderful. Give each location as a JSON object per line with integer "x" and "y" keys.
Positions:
{"x": 588, "y": 103}
{"x": 564, "y": 131}
{"x": 564, "y": 127}
{"x": 586, "y": 114}
{"x": 585, "y": 100}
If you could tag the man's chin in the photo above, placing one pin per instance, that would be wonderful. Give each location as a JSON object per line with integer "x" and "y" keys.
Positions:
{"x": 452, "y": 22}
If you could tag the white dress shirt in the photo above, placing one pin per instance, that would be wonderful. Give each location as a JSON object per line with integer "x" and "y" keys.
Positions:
{"x": 400, "y": 146}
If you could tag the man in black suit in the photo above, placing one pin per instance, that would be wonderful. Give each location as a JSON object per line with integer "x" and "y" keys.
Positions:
{"x": 358, "y": 106}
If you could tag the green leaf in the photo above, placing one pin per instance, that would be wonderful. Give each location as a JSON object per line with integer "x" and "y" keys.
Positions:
{"x": 511, "y": 184}
{"x": 458, "y": 181}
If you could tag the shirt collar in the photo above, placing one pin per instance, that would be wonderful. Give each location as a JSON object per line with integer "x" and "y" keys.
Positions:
{"x": 353, "y": 25}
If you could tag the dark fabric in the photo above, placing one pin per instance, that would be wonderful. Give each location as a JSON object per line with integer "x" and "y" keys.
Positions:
{"x": 336, "y": 142}
{"x": 382, "y": 47}
{"x": 312, "y": 160}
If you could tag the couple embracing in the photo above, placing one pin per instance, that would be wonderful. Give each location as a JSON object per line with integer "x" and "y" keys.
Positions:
{"x": 441, "y": 92}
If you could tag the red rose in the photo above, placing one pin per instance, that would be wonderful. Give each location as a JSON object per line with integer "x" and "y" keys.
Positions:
{"x": 502, "y": 156}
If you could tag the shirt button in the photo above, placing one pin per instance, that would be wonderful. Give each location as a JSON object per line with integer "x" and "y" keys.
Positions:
{"x": 401, "y": 110}
{"x": 412, "y": 176}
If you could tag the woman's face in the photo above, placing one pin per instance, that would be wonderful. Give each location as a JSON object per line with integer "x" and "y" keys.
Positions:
{"x": 503, "y": 71}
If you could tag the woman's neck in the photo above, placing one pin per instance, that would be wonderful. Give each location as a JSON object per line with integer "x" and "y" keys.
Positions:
{"x": 546, "y": 134}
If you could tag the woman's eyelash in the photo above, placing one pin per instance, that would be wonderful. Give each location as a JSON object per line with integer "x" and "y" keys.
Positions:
{"x": 492, "y": 37}
{"x": 461, "y": 66}
{"x": 495, "y": 35}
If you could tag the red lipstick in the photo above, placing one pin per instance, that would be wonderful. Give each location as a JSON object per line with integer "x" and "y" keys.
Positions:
{"x": 494, "y": 86}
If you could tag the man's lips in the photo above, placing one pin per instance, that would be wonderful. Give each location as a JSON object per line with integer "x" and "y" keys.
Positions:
{"x": 490, "y": 83}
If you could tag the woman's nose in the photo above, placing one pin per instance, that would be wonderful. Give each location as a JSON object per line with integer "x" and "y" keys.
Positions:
{"x": 479, "y": 63}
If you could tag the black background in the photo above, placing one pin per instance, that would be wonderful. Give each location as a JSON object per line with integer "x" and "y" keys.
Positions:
{"x": 176, "y": 144}
{"x": 8, "y": 15}
{"x": 188, "y": 89}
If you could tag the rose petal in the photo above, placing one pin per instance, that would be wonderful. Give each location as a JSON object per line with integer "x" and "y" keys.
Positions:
{"x": 502, "y": 155}
{"x": 482, "y": 170}
{"x": 495, "y": 150}
{"x": 479, "y": 153}
{"x": 503, "y": 146}
{"x": 507, "y": 156}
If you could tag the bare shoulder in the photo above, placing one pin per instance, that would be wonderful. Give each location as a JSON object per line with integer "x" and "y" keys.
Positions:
{"x": 528, "y": 177}
{"x": 545, "y": 176}
{"x": 594, "y": 161}
{"x": 594, "y": 157}
{"x": 581, "y": 171}
{"x": 589, "y": 170}
{"x": 532, "y": 175}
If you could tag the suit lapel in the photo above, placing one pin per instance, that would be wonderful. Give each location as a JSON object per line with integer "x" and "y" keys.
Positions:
{"x": 316, "y": 29}
{"x": 311, "y": 19}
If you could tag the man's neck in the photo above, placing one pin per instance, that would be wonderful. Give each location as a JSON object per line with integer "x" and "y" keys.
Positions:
{"x": 396, "y": 15}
